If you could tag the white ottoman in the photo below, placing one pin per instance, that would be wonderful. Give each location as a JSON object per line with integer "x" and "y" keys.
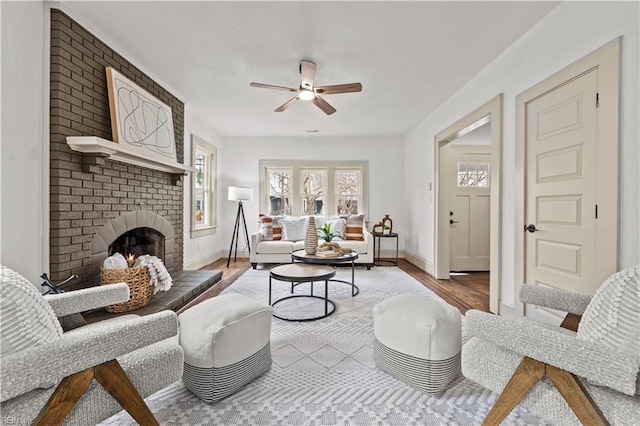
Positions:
{"x": 418, "y": 340}
{"x": 226, "y": 342}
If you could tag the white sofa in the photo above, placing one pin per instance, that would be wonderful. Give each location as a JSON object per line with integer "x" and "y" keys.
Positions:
{"x": 279, "y": 251}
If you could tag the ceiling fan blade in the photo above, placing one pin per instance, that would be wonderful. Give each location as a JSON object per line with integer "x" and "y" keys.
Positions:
{"x": 308, "y": 74}
{"x": 286, "y": 104}
{"x": 339, "y": 88}
{"x": 323, "y": 105}
{"x": 271, "y": 86}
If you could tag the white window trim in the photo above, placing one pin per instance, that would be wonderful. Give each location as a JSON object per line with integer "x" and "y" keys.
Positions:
{"x": 330, "y": 197}
{"x": 199, "y": 144}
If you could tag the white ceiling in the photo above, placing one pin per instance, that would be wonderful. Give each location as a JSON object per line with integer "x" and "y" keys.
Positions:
{"x": 409, "y": 56}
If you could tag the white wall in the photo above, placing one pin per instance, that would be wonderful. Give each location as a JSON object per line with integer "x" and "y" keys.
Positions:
{"x": 386, "y": 175}
{"x": 569, "y": 32}
{"x": 201, "y": 251}
{"x": 24, "y": 159}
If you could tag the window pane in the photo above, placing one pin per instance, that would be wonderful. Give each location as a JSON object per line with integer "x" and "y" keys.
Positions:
{"x": 462, "y": 174}
{"x": 200, "y": 170}
{"x": 483, "y": 175}
{"x": 200, "y": 207}
{"x": 473, "y": 174}
{"x": 203, "y": 187}
{"x": 347, "y": 191}
{"x": 312, "y": 191}
{"x": 279, "y": 191}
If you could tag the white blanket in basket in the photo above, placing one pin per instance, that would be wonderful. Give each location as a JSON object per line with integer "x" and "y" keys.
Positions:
{"x": 158, "y": 274}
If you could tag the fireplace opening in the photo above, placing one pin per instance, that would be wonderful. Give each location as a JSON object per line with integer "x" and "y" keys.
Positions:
{"x": 139, "y": 241}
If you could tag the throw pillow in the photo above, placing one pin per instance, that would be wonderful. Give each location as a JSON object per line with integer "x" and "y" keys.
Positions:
{"x": 27, "y": 319}
{"x": 338, "y": 226}
{"x": 270, "y": 227}
{"x": 320, "y": 220}
{"x": 354, "y": 226}
{"x": 294, "y": 229}
{"x": 613, "y": 315}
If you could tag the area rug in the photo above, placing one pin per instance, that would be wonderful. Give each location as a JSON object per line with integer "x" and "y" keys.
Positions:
{"x": 323, "y": 371}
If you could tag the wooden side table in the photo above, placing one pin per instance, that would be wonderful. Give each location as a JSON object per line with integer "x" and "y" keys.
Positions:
{"x": 376, "y": 254}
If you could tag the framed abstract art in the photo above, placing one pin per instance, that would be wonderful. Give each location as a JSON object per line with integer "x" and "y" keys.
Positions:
{"x": 139, "y": 119}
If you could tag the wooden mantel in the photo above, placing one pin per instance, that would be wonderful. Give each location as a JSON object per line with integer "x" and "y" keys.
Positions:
{"x": 93, "y": 145}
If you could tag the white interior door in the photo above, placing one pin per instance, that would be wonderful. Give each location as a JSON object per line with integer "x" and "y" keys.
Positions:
{"x": 561, "y": 211}
{"x": 470, "y": 203}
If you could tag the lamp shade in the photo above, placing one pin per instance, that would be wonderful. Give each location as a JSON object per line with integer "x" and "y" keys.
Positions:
{"x": 240, "y": 193}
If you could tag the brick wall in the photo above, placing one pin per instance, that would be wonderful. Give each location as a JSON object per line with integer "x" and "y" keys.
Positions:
{"x": 87, "y": 192}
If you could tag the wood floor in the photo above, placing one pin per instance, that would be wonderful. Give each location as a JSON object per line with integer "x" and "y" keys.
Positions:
{"x": 462, "y": 291}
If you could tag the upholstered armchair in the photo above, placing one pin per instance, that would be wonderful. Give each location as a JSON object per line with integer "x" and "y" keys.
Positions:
{"x": 573, "y": 374}
{"x": 87, "y": 374}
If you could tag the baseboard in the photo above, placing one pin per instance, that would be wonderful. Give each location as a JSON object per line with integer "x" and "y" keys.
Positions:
{"x": 506, "y": 310}
{"x": 418, "y": 261}
{"x": 203, "y": 261}
{"x": 390, "y": 253}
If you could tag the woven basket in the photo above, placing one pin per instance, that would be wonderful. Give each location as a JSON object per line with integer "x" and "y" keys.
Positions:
{"x": 139, "y": 286}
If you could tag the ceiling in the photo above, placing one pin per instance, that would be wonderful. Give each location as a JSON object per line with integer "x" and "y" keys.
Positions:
{"x": 409, "y": 56}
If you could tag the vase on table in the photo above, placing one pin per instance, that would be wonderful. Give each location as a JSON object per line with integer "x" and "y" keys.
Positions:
{"x": 311, "y": 237}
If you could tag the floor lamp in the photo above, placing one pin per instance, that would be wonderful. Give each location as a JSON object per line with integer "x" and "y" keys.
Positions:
{"x": 239, "y": 194}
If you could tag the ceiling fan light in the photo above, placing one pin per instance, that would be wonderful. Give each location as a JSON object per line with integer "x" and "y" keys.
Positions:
{"x": 306, "y": 95}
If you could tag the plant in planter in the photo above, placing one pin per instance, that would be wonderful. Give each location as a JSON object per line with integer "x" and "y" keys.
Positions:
{"x": 326, "y": 234}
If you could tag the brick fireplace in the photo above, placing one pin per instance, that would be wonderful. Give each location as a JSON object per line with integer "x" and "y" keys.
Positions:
{"x": 93, "y": 200}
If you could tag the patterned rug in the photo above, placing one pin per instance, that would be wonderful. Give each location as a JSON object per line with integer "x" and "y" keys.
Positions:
{"x": 324, "y": 372}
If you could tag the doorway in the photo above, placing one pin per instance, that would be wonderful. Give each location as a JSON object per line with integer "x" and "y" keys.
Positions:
{"x": 488, "y": 118}
{"x": 466, "y": 165}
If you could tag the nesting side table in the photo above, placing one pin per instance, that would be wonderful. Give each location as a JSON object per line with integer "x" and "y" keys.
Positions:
{"x": 377, "y": 240}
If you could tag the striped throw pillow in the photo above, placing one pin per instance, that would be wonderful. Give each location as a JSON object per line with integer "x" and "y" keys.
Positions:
{"x": 354, "y": 226}
{"x": 270, "y": 227}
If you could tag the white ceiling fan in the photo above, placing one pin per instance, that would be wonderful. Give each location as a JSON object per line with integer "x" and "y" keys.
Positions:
{"x": 309, "y": 92}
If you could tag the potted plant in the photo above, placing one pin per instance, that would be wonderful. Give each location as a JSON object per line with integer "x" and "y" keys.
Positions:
{"x": 386, "y": 229}
{"x": 325, "y": 233}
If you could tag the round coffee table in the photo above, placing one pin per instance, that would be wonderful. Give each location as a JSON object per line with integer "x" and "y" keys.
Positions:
{"x": 302, "y": 256}
{"x": 296, "y": 273}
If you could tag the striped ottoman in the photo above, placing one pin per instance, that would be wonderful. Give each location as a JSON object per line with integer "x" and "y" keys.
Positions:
{"x": 226, "y": 344}
{"x": 418, "y": 341}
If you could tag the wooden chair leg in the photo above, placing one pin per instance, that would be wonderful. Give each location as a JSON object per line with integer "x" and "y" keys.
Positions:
{"x": 576, "y": 396}
{"x": 64, "y": 398}
{"x": 528, "y": 373}
{"x": 571, "y": 322}
{"x": 112, "y": 378}
{"x": 115, "y": 381}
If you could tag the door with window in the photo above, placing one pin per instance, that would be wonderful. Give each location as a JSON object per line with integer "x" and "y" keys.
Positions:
{"x": 470, "y": 202}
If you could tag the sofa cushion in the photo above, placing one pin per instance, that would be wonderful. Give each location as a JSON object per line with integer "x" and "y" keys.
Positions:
{"x": 294, "y": 229}
{"x": 270, "y": 229}
{"x": 358, "y": 246}
{"x": 320, "y": 220}
{"x": 338, "y": 226}
{"x": 274, "y": 247}
{"x": 298, "y": 245}
{"x": 354, "y": 226}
